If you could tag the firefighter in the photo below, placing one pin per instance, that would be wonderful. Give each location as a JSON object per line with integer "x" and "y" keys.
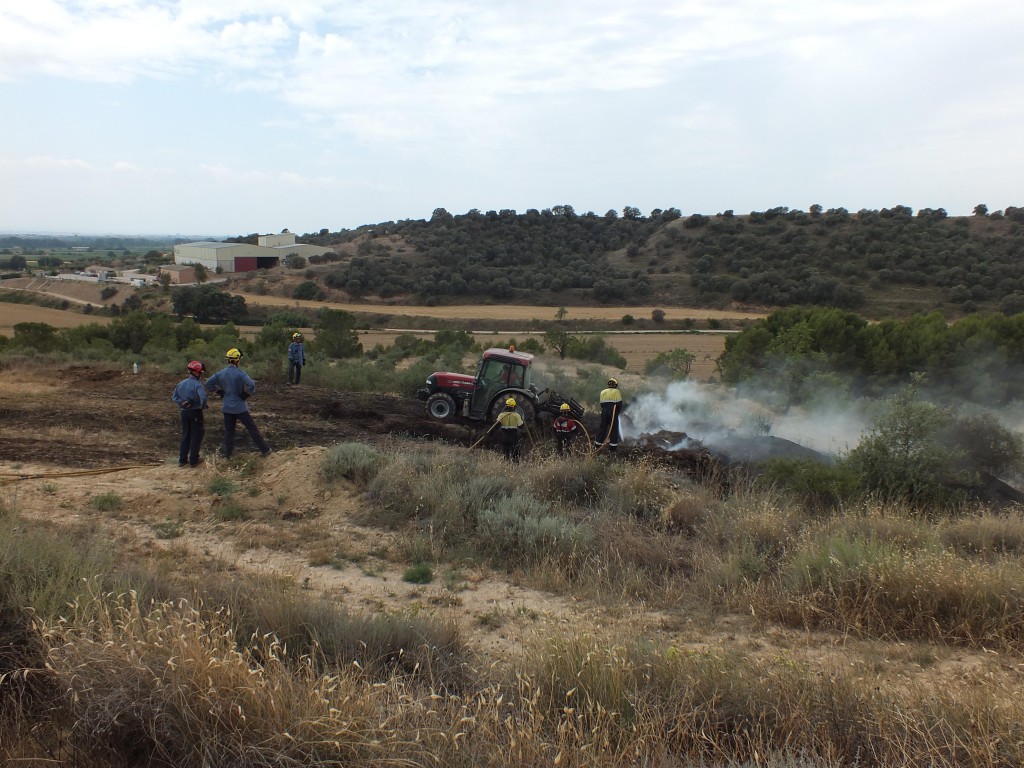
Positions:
{"x": 296, "y": 358}
{"x": 190, "y": 396}
{"x": 611, "y": 405}
{"x": 235, "y": 386}
{"x": 565, "y": 428}
{"x": 511, "y": 422}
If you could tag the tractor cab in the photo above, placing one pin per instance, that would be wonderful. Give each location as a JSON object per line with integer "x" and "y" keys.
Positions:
{"x": 499, "y": 370}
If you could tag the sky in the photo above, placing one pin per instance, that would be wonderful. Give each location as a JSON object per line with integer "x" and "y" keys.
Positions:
{"x": 228, "y": 117}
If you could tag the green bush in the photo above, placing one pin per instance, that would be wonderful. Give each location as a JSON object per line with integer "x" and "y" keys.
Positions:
{"x": 221, "y": 486}
{"x": 816, "y": 485}
{"x": 420, "y": 573}
{"x": 903, "y": 457}
{"x": 106, "y": 502}
{"x": 519, "y": 530}
{"x": 356, "y": 462}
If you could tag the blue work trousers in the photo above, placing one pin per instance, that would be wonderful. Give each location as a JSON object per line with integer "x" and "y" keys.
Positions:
{"x": 192, "y": 432}
{"x": 230, "y": 420}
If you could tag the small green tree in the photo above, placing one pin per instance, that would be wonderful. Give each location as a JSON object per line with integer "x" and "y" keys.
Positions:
{"x": 38, "y": 336}
{"x": 201, "y": 272}
{"x": 336, "y": 335}
{"x": 658, "y": 315}
{"x": 903, "y": 457}
{"x": 557, "y": 339}
{"x": 307, "y": 291}
{"x": 677, "y": 363}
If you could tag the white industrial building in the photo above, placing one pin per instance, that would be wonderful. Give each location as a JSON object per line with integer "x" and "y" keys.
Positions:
{"x": 243, "y": 257}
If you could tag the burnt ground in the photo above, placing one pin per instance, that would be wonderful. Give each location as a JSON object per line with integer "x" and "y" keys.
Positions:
{"x": 95, "y": 416}
{"x": 92, "y": 416}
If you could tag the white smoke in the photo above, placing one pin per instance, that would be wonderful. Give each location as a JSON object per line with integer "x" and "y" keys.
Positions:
{"x": 709, "y": 413}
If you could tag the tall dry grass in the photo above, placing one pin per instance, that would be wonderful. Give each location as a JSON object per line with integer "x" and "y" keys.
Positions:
{"x": 176, "y": 686}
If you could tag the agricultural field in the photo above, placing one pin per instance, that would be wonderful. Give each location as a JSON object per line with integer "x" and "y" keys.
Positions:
{"x": 499, "y": 312}
{"x": 12, "y": 314}
{"x": 637, "y": 347}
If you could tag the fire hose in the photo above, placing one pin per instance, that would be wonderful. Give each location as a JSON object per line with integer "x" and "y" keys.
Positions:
{"x": 10, "y": 477}
{"x": 611, "y": 426}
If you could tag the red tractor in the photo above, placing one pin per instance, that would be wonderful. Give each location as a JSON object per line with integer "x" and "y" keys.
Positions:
{"x": 501, "y": 374}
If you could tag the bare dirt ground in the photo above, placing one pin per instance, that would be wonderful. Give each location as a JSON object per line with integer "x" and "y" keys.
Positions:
{"x": 75, "y": 433}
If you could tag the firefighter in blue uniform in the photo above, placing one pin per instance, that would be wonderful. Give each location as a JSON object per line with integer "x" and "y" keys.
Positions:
{"x": 190, "y": 396}
{"x": 235, "y": 385}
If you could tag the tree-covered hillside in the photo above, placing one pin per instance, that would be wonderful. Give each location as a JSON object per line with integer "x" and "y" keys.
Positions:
{"x": 888, "y": 261}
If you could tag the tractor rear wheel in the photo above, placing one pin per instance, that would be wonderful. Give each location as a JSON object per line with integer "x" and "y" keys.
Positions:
{"x": 524, "y": 406}
{"x": 441, "y": 406}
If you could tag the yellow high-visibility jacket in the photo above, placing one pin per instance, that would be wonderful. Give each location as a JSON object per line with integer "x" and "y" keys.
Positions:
{"x": 510, "y": 420}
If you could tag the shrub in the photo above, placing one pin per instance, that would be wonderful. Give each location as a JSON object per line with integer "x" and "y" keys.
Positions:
{"x": 676, "y": 363}
{"x": 420, "y": 573}
{"x": 106, "y": 502}
{"x": 356, "y": 462}
{"x": 817, "y": 486}
{"x": 519, "y": 530}
{"x": 642, "y": 491}
{"x": 571, "y": 481}
{"x": 221, "y": 486}
{"x": 904, "y": 457}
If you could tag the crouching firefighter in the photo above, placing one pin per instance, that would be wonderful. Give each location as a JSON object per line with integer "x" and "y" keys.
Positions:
{"x": 565, "y": 428}
{"x": 510, "y": 422}
{"x": 611, "y": 405}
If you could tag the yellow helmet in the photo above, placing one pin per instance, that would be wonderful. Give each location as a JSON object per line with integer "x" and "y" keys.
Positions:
{"x": 233, "y": 354}
{"x": 510, "y": 403}
{"x": 296, "y": 336}
{"x": 564, "y": 408}
{"x": 613, "y": 382}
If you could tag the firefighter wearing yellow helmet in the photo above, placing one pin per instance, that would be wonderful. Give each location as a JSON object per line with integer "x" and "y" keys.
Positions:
{"x": 611, "y": 405}
{"x": 565, "y": 428}
{"x": 235, "y": 386}
{"x": 511, "y": 423}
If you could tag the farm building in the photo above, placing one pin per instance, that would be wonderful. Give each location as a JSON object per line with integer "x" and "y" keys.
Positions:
{"x": 181, "y": 274}
{"x": 244, "y": 257}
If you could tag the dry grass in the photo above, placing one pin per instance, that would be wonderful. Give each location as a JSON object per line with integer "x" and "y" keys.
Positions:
{"x": 268, "y": 674}
{"x": 173, "y": 686}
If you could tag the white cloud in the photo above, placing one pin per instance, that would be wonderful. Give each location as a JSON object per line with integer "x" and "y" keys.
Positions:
{"x": 710, "y": 104}
{"x": 63, "y": 163}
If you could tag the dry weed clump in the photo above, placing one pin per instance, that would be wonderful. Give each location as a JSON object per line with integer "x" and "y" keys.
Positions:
{"x": 875, "y": 588}
{"x": 985, "y": 534}
{"x": 641, "y": 490}
{"x": 579, "y": 482}
{"x": 173, "y": 687}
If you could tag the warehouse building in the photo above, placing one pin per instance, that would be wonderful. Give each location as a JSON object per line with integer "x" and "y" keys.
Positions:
{"x": 270, "y": 252}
